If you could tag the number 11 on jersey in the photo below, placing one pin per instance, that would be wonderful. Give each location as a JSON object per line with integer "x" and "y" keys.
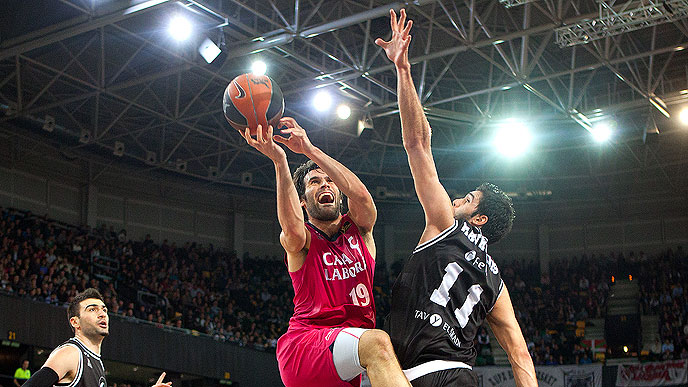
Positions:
{"x": 440, "y": 296}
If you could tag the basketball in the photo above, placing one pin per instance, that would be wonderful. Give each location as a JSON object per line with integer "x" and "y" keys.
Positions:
{"x": 251, "y": 100}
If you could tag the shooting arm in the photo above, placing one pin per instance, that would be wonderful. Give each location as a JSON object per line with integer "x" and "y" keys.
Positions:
{"x": 289, "y": 212}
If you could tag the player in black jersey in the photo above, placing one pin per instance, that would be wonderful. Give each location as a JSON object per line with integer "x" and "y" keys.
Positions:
{"x": 450, "y": 284}
{"x": 76, "y": 362}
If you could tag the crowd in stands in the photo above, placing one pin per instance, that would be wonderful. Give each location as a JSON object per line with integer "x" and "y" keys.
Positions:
{"x": 248, "y": 301}
{"x": 550, "y": 307}
{"x": 663, "y": 284}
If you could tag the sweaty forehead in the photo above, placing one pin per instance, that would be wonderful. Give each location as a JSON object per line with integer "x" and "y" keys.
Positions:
{"x": 91, "y": 301}
{"x": 313, "y": 173}
{"x": 477, "y": 195}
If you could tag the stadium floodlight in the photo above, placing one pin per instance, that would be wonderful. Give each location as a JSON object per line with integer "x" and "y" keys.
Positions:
{"x": 343, "y": 111}
{"x": 513, "y": 138}
{"x": 683, "y": 116}
{"x": 259, "y": 67}
{"x": 601, "y": 131}
{"x": 179, "y": 28}
{"x": 322, "y": 101}
{"x": 209, "y": 50}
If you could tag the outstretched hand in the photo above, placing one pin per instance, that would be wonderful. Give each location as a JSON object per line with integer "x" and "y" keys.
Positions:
{"x": 397, "y": 47}
{"x": 160, "y": 383}
{"x": 297, "y": 141}
{"x": 265, "y": 145}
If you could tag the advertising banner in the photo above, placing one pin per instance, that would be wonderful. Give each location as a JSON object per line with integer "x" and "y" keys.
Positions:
{"x": 589, "y": 375}
{"x": 666, "y": 373}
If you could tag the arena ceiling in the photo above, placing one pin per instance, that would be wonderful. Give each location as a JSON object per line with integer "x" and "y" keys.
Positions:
{"x": 112, "y": 79}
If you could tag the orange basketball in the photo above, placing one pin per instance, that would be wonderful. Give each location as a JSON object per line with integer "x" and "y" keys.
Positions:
{"x": 250, "y": 100}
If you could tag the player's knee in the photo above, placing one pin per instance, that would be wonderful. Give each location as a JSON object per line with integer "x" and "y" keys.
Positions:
{"x": 375, "y": 346}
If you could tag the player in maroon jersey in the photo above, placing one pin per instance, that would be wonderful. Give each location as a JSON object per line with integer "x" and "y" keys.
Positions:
{"x": 331, "y": 260}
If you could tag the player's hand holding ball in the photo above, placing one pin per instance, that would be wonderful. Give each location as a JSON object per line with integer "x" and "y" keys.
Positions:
{"x": 297, "y": 141}
{"x": 264, "y": 143}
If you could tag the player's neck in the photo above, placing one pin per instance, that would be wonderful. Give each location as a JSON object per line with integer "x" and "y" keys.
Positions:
{"x": 92, "y": 344}
{"x": 329, "y": 227}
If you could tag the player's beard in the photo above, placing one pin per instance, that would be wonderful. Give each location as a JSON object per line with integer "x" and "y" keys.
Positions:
{"x": 95, "y": 331}
{"x": 329, "y": 213}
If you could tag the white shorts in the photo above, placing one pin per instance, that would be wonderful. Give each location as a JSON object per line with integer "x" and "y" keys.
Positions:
{"x": 345, "y": 353}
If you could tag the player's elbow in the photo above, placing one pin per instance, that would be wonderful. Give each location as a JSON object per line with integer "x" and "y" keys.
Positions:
{"x": 519, "y": 355}
{"x": 293, "y": 240}
{"x": 416, "y": 143}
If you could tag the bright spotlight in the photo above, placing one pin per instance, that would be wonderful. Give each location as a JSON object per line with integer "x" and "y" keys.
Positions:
{"x": 209, "y": 50}
{"x": 601, "y": 132}
{"x": 322, "y": 101}
{"x": 683, "y": 116}
{"x": 343, "y": 111}
{"x": 259, "y": 67}
{"x": 513, "y": 138}
{"x": 625, "y": 348}
{"x": 180, "y": 28}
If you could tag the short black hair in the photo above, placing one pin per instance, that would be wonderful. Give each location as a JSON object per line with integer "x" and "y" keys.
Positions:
{"x": 299, "y": 175}
{"x": 498, "y": 208}
{"x": 73, "y": 308}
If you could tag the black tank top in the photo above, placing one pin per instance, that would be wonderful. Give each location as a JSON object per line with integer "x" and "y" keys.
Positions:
{"x": 90, "y": 371}
{"x": 442, "y": 296}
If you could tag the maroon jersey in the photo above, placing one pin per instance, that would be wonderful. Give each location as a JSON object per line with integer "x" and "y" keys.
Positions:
{"x": 334, "y": 286}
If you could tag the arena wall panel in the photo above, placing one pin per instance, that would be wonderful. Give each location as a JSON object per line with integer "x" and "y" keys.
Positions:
{"x": 177, "y": 219}
{"x": 30, "y": 188}
{"x": 640, "y": 233}
{"x": 604, "y": 235}
{"x": 566, "y": 239}
{"x": 676, "y": 230}
{"x": 142, "y": 213}
{"x": 110, "y": 208}
{"x": 212, "y": 225}
{"x": 64, "y": 197}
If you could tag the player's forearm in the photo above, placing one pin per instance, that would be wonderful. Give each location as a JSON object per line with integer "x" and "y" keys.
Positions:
{"x": 415, "y": 129}
{"x": 289, "y": 213}
{"x": 45, "y": 377}
{"x": 523, "y": 369}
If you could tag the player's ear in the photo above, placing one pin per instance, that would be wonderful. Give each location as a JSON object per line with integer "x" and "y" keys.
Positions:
{"x": 74, "y": 322}
{"x": 479, "y": 220}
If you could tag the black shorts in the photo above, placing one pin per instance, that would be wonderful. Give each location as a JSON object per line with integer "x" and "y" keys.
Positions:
{"x": 454, "y": 377}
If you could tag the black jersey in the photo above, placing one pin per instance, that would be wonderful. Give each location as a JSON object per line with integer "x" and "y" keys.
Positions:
{"x": 90, "y": 371}
{"x": 441, "y": 298}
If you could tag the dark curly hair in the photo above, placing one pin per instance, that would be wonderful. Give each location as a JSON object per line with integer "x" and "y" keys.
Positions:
{"x": 299, "y": 175}
{"x": 73, "y": 308}
{"x": 498, "y": 208}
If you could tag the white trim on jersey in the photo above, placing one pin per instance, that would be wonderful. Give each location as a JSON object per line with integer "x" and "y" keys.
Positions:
{"x": 501, "y": 289}
{"x": 437, "y": 237}
{"x": 86, "y": 348}
{"x": 433, "y": 366}
{"x": 79, "y": 369}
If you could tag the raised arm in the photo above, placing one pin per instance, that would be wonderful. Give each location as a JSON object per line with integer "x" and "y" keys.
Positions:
{"x": 416, "y": 133}
{"x": 289, "y": 212}
{"x": 503, "y": 323}
{"x": 361, "y": 206}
